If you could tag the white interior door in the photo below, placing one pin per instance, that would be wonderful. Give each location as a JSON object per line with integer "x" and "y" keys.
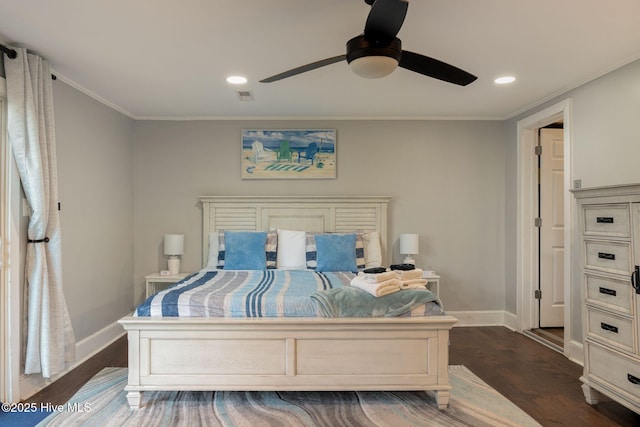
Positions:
{"x": 552, "y": 228}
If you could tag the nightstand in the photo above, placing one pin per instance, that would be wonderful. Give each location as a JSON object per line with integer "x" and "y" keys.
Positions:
{"x": 155, "y": 278}
{"x": 432, "y": 280}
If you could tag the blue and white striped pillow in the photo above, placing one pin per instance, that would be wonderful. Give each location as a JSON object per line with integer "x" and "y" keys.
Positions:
{"x": 270, "y": 248}
{"x": 312, "y": 254}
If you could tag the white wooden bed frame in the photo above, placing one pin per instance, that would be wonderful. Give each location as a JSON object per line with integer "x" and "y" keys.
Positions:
{"x": 290, "y": 353}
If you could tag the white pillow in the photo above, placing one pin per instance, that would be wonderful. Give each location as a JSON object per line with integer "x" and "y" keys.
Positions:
{"x": 212, "y": 259}
{"x": 372, "y": 249}
{"x": 291, "y": 250}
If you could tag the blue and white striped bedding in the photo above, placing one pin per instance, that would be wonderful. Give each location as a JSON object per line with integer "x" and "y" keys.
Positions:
{"x": 251, "y": 293}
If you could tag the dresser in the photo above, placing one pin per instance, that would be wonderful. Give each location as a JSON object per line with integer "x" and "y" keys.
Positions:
{"x": 610, "y": 253}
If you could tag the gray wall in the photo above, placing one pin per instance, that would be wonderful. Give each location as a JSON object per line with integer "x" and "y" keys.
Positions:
{"x": 605, "y": 148}
{"x": 95, "y": 172}
{"x": 95, "y": 179}
{"x": 123, "y": 184}
{"x": 605, "y": 119}
{"x": 446, "y": 178}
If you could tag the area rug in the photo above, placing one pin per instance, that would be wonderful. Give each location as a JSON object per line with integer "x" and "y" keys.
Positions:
{"x": 102, "y": 402}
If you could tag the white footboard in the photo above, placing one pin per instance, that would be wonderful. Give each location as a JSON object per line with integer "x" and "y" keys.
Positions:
{"x": 288, "y": 354}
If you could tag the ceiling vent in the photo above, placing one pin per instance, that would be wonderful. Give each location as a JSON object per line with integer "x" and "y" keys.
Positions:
{"x": 245, "y": 95}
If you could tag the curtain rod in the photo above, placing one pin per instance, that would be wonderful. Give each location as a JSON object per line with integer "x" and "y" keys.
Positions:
{"x": 12, "y": 54}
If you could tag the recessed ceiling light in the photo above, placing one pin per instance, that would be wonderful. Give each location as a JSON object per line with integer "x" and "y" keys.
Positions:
{"x": 236, "y": 80}
{"x": 505, "y": 80}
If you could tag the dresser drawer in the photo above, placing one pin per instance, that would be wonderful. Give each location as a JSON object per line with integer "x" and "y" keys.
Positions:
{"x": 613, "y": 257}
{"x": 610, "y": 293}
{"x": 611, "y": 329}
{"x": 607, "y": 220}
{"x": 610, "y": 367}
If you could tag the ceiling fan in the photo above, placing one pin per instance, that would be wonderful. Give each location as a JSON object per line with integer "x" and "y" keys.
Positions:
{"x": 377, "y": 52}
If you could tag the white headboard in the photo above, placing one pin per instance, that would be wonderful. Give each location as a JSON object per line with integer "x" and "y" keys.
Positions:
{"x": 305, "y": 213}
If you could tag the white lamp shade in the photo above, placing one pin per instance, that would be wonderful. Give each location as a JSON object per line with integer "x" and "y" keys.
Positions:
{"x": 409, "y": 244}
{"x": 373, "y": 67}
{"x": 173, "y": 244}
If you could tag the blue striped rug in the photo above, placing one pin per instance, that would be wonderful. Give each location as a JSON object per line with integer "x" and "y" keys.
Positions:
{"x": 102, "y": 402}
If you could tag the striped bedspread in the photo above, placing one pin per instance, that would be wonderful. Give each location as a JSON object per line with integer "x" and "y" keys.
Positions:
{"x": 249, "y": 293}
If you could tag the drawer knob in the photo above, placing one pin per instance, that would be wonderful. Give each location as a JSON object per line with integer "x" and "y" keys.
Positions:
{"x": 633, "y": 380}
{"x": 604, "y": 220}
{"x": 604, "y": 255}
{"x": 609, "y": 328}
{"x": 607, "y": 291}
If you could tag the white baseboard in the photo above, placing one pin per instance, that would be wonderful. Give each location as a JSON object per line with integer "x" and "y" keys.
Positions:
{"x": 95, "y": 343}
{"x": 511, "y": 321}
{"x": 85, "y": 349}
{"x": 479, "y": 318}
{"x": 573, "y": 351}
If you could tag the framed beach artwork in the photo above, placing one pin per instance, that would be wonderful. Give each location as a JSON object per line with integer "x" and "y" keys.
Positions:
{"x": 289, "y": 154}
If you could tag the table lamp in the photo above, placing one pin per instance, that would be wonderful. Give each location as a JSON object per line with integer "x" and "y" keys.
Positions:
{"x": 409, "y": 246}
{"x": 173, "y": 247}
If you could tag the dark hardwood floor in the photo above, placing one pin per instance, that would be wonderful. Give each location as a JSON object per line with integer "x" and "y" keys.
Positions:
{"x": 542, "y": 382}
{"x": 61, "y": 391}
{"x": 539, "y": 380}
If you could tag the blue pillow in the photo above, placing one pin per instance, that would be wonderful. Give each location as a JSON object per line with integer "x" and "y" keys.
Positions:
{"x": 271, "y": 249}
{"x": 311, "y": 255}
{"x": 244, "y": 250}
{"x": 335, "y": 252}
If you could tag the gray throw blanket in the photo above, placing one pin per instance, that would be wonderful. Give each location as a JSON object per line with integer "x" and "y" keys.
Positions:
{"x": 354, "y": 302}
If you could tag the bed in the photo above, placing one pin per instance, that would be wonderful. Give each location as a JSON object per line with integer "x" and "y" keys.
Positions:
{"x": 272, "y": 352}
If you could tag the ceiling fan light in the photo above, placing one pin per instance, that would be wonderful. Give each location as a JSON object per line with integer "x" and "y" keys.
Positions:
{"x": 236, "y": 80}
{"x": 504, "y": 80}
{"x": 373, "y": 67}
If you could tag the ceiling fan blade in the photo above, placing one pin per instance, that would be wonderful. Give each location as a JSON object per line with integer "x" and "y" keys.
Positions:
{"x": 385, "y": 19}
{"x": 434, "y": 68}
{"x": 304, "y": 68}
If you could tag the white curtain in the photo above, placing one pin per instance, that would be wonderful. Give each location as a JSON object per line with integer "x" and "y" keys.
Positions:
{"x": 50, "y": 338}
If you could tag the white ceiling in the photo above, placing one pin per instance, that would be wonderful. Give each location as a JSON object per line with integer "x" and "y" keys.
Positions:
{"x": 169, "y": 59}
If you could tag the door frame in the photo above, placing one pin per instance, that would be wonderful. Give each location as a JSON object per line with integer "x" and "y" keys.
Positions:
{"x": 10, "y": 273}
{"x": 527, "y": 244}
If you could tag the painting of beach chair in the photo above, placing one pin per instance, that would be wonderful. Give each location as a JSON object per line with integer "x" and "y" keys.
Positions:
{"x": 284, "y": 152}
{"x": 288, "y": 154}
{"x": 309, "y": 153}
{"x": 259, "y": 153}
